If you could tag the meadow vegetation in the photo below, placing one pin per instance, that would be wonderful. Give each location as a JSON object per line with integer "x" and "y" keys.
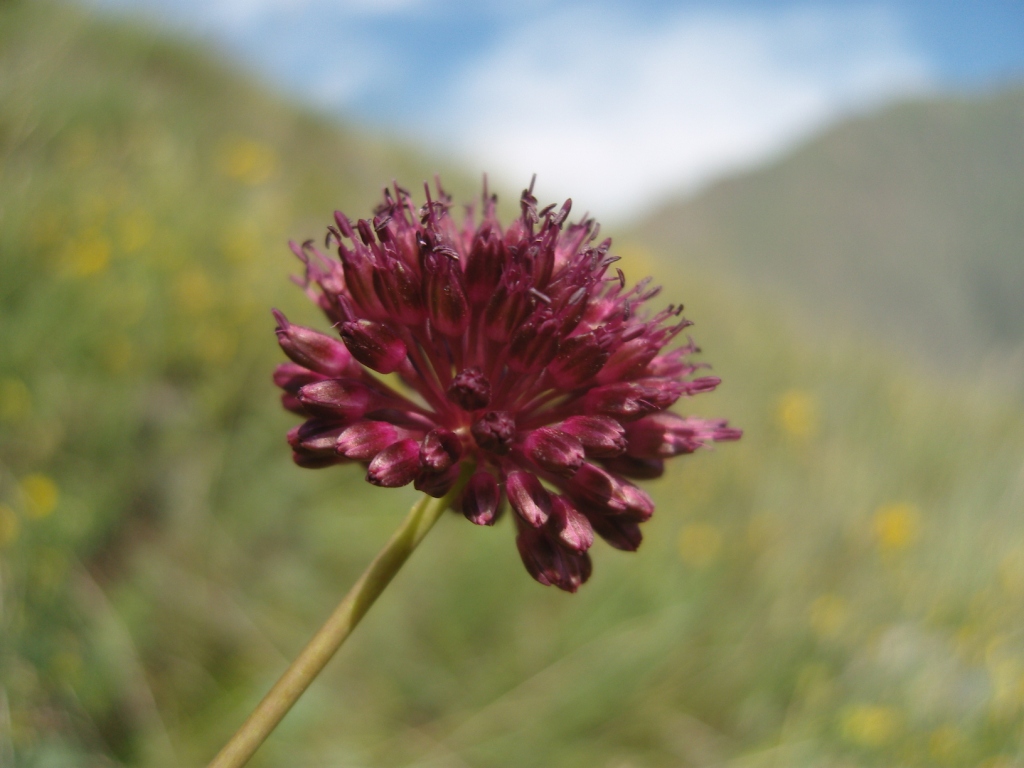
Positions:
{"x": 843, "y": 587}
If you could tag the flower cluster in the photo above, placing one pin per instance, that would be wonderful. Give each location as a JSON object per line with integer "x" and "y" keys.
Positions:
{"x": 519, "y": 350}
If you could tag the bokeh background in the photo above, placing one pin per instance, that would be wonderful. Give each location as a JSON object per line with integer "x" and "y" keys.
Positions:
{"x": 836, "y": 191}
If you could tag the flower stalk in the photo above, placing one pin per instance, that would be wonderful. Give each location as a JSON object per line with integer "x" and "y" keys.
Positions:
{"x": 339, "y": 626}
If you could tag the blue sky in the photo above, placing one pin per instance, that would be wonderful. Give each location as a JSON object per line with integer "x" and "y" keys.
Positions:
{"x": 616, "y": 104}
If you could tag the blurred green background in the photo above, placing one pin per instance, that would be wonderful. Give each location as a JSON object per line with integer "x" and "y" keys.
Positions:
{"x": 843, "y": 587}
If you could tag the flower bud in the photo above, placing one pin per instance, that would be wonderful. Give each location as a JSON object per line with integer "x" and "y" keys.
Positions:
{"x": 704, "y": 384}
{"x": 621, "y": 532}
{"x": 292, "y": 377}
{"x": 470, "y": 390}
{"x": 533, "y": 347}
{"x": 315, "y": 437}
{"x": 311, "y": 349}
{"x": 549, "y": 563}
{"x": 528, "y": 498}
{"x": 315, "y": 462}
{"x": 628, "y": 361}
{"x": 374, "y": 345}
{"x": 365, "y": 439}
{"x": 358, "y": 270}
{"x": 494, "y": 432}
{"x": 553, "y": 450}
{"x": 440, "y": 450}
{"x": 663, "y": 435}
{"x": 503, "y": 313}
{"x": 602, "y": 490}
{"x": 632, "y": 399}
{"x": 292, "y": 403}
{"x": 636, "y": 502}
{"x": 574, "y": 530}
{"x": 400, "y": 292}
{"x": 660, "y": 435}
{"x": 579, "y": 359}
{"x": 481, "y": 499}
{"x": 336, "y": 398}
{"x": 396, "y": 465}
{"x": 487, "y": 259}
{"x": 600, "y": 436}
{"x": 444, "y": 294}
{"x": 437, "y": 484}
{"x": 637, "y": 469}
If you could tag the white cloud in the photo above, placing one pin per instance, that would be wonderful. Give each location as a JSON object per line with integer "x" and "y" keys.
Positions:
{"x": 618, "y": 112}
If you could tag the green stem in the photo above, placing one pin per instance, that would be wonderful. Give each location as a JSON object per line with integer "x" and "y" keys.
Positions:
{"x": 339, "y": 626}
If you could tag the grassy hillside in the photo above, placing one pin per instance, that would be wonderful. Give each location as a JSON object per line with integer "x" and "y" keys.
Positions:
{"x": 842, "y": 587}
{"x": 908, "y": 224}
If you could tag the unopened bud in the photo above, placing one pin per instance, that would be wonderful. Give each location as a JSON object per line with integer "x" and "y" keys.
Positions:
{"x": 481, "y": 499}
{"x": 291, "y": 377}
{"x": 703, "y": 384}
{"x": 445, "y": 294}
{"x": 336, "y": 398}
{"x": 621, "y": 532}
{"x": 503, "y": 313}
{"x": 400, "y": 292}
{"x": 549, "y": 563}
{"x": 315, "y": 462}
{"x": 601, "y": 436}
{"x": 487, "y": 258}
{"x": 579, "y": 360}
{"x": 663, "y": 435}
{"x": 628, "y": 361}
{"x": 311, "y": 349}
{"x": 470, "y": 390}
{"x": 315, "y": 437}
{"x": 494, "y": 431}
{"x": 637, "y": 469}
{"x": 631, "y": 400}
{"x": 440, "y": 450}
{"x": 437, "y": 484}
{"x": 573, "y": 528}
{"x": 600, "y": 489}
{"x": 374, "y": 345}
{"x": 365, "y": 439}
{"x": 554, "y": 450}
{"x": 528, "y": 498}
{"x": 396, "y": 465}
{"x": 533, "y": 347}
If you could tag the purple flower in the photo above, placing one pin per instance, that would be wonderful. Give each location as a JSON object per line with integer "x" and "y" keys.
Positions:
{"x": 519, "y": 350}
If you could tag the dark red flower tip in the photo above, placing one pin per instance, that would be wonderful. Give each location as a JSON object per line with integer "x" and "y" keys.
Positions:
{"x": 470, "y": 390}
{"x": 373, "y": 344}
{"x": 481, "y": 499}
{"x": 445, "y": 295}
{"x": 549, "y": 563}
{"x": 579, "y": 359}
{"x": 292, "y": 377}
{"x": 521, "y": 350}
{"x": 573, "y": 528}
{"x": 311, "y": 349}
{"x": 600, "y": 436}
{"x": 315, "y": 438}
{"x": 554, "y": 450}
{"x": 494, "y": 432}
{"x": 440, "y": 450}
{"x": 396, "y": 465}
{"x": 336, "y": 398}
{"x": 365, "y": 439}
{"x": 437, "y": 483}
{"x": 528, "y": 497}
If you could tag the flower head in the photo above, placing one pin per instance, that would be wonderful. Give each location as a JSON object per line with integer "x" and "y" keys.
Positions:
{"x": 519, "y": 349}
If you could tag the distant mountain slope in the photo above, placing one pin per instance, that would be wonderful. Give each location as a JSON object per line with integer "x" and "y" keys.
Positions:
{"x": 908, "y": 223}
